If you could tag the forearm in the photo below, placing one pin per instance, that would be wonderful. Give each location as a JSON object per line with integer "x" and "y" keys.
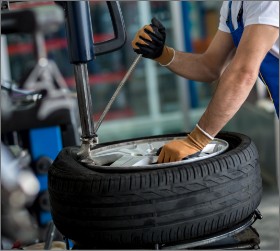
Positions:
{"x": 239, "y": 77}
{"x": 232, "y": 91}
{"x": 193, "y": 66}
{"x": 208, "y": 66}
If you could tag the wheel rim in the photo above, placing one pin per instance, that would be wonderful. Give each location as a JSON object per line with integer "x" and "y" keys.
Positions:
{"x": 142, "y": 154}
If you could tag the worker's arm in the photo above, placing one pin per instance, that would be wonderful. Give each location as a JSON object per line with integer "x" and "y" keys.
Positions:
{"x": 239, "y": 77}
{"x": 233, "y": 88}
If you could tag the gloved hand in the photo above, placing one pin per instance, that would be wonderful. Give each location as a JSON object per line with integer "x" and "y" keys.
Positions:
{"x": 178, "y": 149}
{"x": 150, "y": 42}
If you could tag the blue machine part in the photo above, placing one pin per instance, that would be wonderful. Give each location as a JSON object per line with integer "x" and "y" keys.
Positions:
{"x": 45, "y": 217}
{"x": 43, "y": 181}
{"x": 45, "y": 142}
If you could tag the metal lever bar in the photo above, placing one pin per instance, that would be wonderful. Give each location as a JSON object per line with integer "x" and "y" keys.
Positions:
{"x": 119, "y": 31}
{"x": 121, "y": 84}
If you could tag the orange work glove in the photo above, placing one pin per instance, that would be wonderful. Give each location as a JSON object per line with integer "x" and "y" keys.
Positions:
{"x": 150, "y": 42}
{"x": 178, "y": 149}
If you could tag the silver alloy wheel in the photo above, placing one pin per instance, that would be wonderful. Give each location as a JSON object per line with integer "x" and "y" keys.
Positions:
{"x": 142, "y": 154}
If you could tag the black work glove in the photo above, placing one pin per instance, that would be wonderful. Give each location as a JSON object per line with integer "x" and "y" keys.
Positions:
{"x": 149, "y": 40}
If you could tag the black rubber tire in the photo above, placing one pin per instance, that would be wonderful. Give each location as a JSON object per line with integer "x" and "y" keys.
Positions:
{"x": 164, "y": 205}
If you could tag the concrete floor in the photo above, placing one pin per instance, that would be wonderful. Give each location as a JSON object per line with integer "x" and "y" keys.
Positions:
{"x": 268, "y": 227}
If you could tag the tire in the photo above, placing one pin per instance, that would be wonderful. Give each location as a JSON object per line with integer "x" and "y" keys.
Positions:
{"x": 138, "y": 208}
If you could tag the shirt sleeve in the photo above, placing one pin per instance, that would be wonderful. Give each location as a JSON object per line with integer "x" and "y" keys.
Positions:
{"x": 265, "y": 12}
{"x": 223, "y": 18}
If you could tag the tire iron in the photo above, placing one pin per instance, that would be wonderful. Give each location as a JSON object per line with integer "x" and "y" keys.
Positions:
{"x": 121, "y": 84}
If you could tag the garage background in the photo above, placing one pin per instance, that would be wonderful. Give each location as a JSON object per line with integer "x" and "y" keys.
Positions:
{"x": 155, "y": 101}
